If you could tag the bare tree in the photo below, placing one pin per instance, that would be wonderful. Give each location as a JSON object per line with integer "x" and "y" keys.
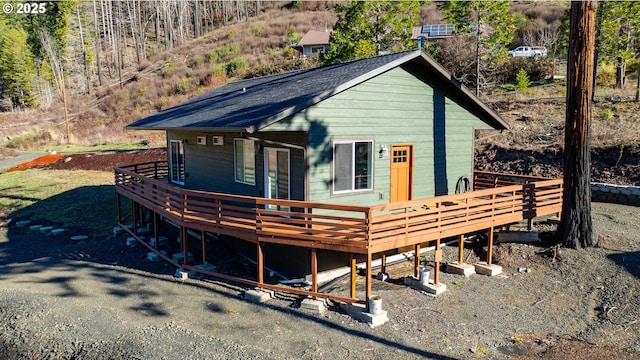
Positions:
{"x": 576, "y": 227}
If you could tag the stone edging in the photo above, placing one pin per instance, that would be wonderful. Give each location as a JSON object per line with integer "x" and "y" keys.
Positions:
{"x": 618, "y": 194}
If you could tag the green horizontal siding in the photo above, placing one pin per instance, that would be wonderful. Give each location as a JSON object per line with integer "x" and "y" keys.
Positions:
{"x": 211, "y": 167}
{"x": 393, "y": 108}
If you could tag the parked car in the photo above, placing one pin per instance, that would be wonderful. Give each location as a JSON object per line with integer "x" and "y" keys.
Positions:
{"x": 528, "y": 51}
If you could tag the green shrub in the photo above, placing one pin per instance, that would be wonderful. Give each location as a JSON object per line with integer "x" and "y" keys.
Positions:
{"x": 168, "y": 71}
{"x": 236, "y": 66}
{"x": 606, "y": 75}
{"x": 182, "y": 86}
{"x": 256, "y": 30}
{"x": 219, "y": 70}
{"x": 219, "y": 53}
{"x": 522, "y": 81}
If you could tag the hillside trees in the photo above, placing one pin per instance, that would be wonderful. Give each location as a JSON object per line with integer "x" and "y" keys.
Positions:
{"x": 491, "y": 26}
{"x": 96, "y": 41}
{"x": 17, "y": 75}
{"x": 368, "y": 28}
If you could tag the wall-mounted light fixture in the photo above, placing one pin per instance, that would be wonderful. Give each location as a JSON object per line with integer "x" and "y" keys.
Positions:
{"x": 383, "y": 151}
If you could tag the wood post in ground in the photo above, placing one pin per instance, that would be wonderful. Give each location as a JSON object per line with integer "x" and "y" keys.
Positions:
{"x": 461, "y": 249}
{"x": 416, "y": 261}
{"x": 354, "y": 270}
{"x": 314, "y": 271}
{"x": 490, "y": 246}
{"x": 203, "y": 237}
{"x": 260, "y": 262}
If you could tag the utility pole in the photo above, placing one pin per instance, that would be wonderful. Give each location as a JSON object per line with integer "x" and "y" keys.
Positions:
{"x": 64, "y": 102}
{"x": 576, "y": 227}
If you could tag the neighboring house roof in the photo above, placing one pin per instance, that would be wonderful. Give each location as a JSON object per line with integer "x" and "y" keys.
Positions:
{"x": 314, "y": 38}
{"x": 433, "y": 31}
{"x": 252, "y": 104}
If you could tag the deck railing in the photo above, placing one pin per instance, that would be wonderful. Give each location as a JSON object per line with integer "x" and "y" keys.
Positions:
{"x": 497, "y": 199}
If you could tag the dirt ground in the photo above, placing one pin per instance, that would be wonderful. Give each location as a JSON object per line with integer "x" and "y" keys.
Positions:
{"x": 104, "y": 300}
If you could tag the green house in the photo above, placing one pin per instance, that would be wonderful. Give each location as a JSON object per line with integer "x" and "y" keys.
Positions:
{"x": 383, "y": 129}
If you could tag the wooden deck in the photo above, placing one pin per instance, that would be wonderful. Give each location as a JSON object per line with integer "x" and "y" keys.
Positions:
{"x": 497, "y": 200}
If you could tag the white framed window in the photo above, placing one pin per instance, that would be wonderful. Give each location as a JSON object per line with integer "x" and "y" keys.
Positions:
{"x": 244, "y": 161}
{"x": 176, "y": 161}
{"x": 352, "y": 166}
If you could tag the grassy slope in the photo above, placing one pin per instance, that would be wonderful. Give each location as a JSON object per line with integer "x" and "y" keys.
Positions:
{"x": 258, "y": 46}
{"x": 62, "y": 198}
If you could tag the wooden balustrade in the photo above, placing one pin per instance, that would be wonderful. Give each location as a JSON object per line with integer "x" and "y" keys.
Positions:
{"x": 498, "y": 199}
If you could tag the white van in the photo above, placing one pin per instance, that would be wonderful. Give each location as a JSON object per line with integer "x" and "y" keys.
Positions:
{"x": 529, "y": 51}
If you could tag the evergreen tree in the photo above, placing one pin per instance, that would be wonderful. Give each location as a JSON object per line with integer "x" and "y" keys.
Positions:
{"x": 17, "y": 74}
{"x": 492, "y": 26}
{"x": 619, "y": 35}
{"x": 368, "y": 28}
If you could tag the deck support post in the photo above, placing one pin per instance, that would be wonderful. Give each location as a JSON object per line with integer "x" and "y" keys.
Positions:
{"x": 203, "y": 238}
{"x": 260, "y": 262}
{"x": 354, "y": 272}
{"x": 490, "y": 246}
{"x": 383, "y": 264}
{"x": 314, "y": 271}
{"x": 118, "y": 210}
{"x": 155, "y": 229}
{"x": 368, "y": 280}
{"x": 134, "y": 218}
{"x": 529, "y": 224}
{"x": 437, "y": 258}
{"x": 461, "y": 249}
{"x": 416, "y": 261}
{"x": 185, "y": 244}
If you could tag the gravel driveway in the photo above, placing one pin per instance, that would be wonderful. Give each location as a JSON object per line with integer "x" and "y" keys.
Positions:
{"x": 104, "y": 300}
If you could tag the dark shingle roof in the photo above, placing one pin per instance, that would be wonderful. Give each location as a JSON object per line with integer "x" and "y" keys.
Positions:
{"x": 249, "y": 105}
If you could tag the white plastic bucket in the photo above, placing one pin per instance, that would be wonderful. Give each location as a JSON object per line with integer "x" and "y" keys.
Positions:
{"x": 375, "y": 304}
{"x": 424, "y": 276}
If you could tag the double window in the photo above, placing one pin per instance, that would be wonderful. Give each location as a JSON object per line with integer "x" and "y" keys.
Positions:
{"x": 176, "y": 156}
{"x": 245, "y": 161}
{"x": 352, "y": 166}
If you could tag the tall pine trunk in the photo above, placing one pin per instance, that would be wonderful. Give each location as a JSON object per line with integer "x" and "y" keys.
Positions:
{"x": 576, "y": 227}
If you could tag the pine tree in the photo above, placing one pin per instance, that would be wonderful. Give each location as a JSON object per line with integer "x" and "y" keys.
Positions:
{"x": 17, "y": 74}
{"x": 368, "y": 28}
{"x": 492, "y": 26}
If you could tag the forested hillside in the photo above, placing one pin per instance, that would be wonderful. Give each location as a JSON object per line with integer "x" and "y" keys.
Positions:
{"x": 114, "y": 61}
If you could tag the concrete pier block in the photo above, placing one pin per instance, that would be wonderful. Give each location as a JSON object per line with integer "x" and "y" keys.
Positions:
{"x": 179, "y": 257}
{"x": 258, "y": 296}
{"x": 359, "y": 311}
{"x": 162, "y": 241}
{"x": 313, "y": 305}
{"x": 461, "y": 269}
{"x": 429, "y": 288}
{"x": 184, "y": 274}
{"x": 490, "y": 270}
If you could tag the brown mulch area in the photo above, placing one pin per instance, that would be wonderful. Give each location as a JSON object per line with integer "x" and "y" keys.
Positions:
{"x": 41, "y": 161}
{"x": 104, "y": 161}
